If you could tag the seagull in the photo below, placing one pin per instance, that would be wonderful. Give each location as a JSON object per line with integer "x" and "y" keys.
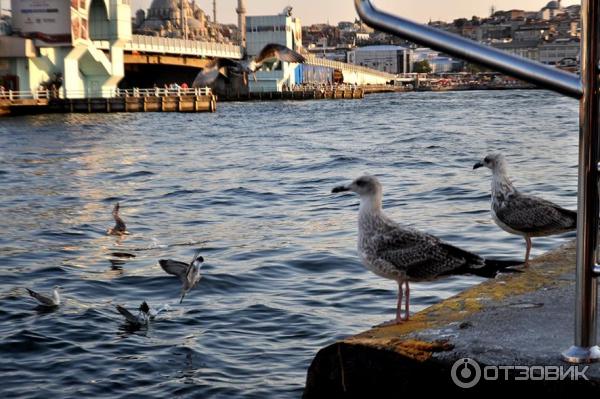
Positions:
{"x": 188, "y": 273}
{"x": 522, "y": 214}
{"x": 270, "y": 53}
{"x": 138, "y": 320}
{"x": 403, "y": 254}
{"x": 120, "y": 227}
{"x": 47, "y": 301}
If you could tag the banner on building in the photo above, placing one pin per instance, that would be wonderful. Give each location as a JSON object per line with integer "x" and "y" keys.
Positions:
{"x": 45, "y": 20}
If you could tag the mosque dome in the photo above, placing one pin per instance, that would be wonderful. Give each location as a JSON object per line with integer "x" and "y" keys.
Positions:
{"x": 163, "y": 4}
{"x": 553, "y": 5}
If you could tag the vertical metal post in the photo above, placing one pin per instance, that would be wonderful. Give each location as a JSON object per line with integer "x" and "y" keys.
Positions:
{"x": 585, "y": 349}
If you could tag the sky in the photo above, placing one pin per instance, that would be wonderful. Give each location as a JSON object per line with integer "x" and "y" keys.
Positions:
{"x": 322, "y": 11}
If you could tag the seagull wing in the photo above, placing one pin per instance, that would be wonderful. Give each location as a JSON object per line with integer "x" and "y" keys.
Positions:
{"x": 128, "y": 315}
{"x": 278, "y": 52}
{"x": 211, "y": 71}
{"x": 420, "y": 255}
{"x": 42, "y": 299}
{"x": 530, "y": 214}
{"x": 176, "y": 268}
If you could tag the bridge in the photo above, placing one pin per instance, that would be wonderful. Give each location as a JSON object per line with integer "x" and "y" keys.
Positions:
{"x": 107, "y": 55}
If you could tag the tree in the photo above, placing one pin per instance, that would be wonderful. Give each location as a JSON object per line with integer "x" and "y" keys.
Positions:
{"x": 422, "y": 67}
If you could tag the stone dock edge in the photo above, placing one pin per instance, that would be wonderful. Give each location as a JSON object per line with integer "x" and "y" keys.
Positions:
{"x": 517, "y": 323}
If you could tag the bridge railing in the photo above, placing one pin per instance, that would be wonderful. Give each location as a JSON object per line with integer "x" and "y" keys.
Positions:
{"x": 13, "y": 95}
{"x": 313, "y": 60}
{"x": 27, "y": 94}
{"x": 163, "y": 92}
{"x": 167, "y": 45}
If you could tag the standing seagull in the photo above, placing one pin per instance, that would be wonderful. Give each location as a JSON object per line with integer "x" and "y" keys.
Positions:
{"x": 188, "y": 273}
{"x": 523, "y": 214}
{"x": 47, "y": 301}
{"x": 400, "y": 253}
{"x": 138, "y": 320}
{"x": 120, "y": 227}
{"x": 270, "y": 53}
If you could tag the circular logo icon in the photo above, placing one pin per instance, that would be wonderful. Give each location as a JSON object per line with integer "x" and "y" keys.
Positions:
{"x": 465, "y": 373}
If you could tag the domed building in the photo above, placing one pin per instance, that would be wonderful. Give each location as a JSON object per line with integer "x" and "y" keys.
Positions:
{"x": 164, "y": 19}
{"x": 552, "y": 9}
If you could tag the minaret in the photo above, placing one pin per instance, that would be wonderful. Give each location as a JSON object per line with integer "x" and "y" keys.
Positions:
{"x": 215, "y": 11}
{"x": 241, "y": 11}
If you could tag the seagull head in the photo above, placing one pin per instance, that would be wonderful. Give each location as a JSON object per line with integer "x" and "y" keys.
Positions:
{"x": 495, "y": 162}
{"x": 364, "y": 186}
{"x": 197, "y": 262}
{"x": 144, "y": 308}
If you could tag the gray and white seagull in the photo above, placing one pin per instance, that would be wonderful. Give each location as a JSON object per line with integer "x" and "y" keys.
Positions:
{"x": 138, "y": 320}
{"x": 120, "y": 227}
{"x": 47, "y": 301}
{"x": 522, "y": 214}
{"x": 188, "y": 273}
{"x": 270, "y": 53}
{"x": 403, "y": 254}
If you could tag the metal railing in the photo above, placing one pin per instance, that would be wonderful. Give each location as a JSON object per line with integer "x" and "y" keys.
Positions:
{"x": 162, "y": 92}
{"x": 585, "y": 88}
{"x": 324, "y": 62}
{"x": 12, "y": 95}
{"x": 167, "y": 45}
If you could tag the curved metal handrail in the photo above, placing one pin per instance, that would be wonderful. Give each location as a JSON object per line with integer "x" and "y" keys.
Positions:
{"x": 530, "y": 71}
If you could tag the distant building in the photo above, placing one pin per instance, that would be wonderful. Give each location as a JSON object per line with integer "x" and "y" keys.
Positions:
{"x": 556, "y": 52}
{"x": 387, "y": 58}
{"x": 525, "y": 49}
{"x": 164, "y": 19}
{"x": 281, "y": 29}
{"x": 552, "y": 9}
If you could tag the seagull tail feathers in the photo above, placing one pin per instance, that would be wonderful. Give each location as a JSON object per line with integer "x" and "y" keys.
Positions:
{"x": 492, "y": 267}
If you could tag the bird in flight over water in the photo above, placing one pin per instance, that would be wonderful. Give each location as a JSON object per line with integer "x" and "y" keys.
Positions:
{"x": 269, "y": 54}
{"x": 188, "y": 273}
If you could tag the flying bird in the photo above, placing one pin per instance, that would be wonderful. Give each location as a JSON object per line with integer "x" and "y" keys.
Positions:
{"x": 120, "y": 227}
{"x": 47, "y": 301}
{"x": 270, "y": 53}
{"x": 403, "y": 254}
{"x": 188, "y": 273}
{"x": 522, "y": 214}
{"x": 138, "y": 320}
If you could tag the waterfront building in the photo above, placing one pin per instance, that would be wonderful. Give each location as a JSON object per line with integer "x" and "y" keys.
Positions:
{"x": 386, "y": 58}
{"x": 556, "y": 52}
{"x": 282, "y": 29}
{"x": 56, "y": 38}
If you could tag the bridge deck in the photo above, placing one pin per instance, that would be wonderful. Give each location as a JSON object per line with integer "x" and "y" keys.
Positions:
{"x": 166, "y": 45}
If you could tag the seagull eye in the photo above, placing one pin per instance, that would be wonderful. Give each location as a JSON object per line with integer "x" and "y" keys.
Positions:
{"x": 361, "y": 183}
{"x": 487, "y": 160}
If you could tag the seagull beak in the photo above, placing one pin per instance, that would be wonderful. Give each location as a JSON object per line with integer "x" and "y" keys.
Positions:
{"x": 477, "y": 165}
{"x": 340, "y": 189}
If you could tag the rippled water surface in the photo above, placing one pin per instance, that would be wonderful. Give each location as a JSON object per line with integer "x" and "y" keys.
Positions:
{"x": 250, "y": 187}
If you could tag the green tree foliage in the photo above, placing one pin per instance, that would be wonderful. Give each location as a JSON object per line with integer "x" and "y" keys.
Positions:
{"x": 422, "y": 67}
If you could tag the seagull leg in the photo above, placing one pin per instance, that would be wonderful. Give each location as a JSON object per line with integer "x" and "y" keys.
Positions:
{"x": 407, "y": 302}
{"x": 399, "y": 306}
{"x": 528, "y": 242}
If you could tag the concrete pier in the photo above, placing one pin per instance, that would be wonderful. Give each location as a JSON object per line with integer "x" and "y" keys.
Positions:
{"x": 505, "y": 325}
{"x": 327, "y": 94}
{"x": 145, "y": 103}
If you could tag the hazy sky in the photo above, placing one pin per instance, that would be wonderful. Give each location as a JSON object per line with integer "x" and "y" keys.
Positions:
{"x": 316, "y": 11}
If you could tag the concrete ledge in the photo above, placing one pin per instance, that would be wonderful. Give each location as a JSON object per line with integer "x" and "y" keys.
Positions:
{"x": 523, "y": 319}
